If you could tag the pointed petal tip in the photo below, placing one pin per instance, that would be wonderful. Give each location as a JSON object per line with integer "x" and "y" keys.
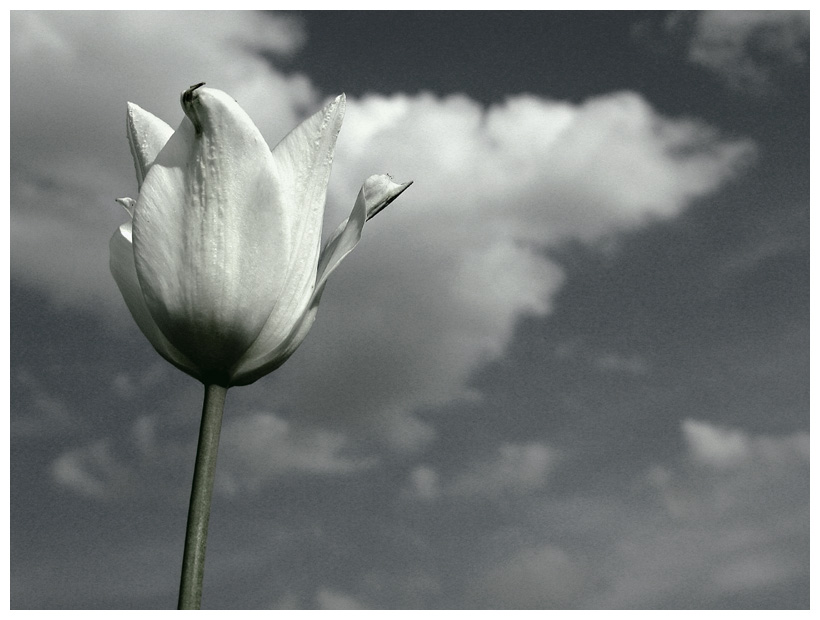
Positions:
{"x": 335, "y": 109}
{"x": 134, "y": 109}
{"x": 338, "y": 105}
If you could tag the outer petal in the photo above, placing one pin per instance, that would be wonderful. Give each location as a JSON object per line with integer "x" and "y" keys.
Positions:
{"x": 147, "y": 134}
{"x": 302, "y": 163}
{"x": 266, "y": 355}
{"x": 212, "y": 235}
{"x": 122, "y": 267}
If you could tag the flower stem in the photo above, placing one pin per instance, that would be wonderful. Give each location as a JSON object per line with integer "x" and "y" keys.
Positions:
{"x": 196, "y": 535}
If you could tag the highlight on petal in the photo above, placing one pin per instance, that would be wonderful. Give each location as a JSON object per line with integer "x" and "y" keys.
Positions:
{"x": 147, "y": 134}
{"x": 121, "y": 263}
{"x": 265, "y": 356}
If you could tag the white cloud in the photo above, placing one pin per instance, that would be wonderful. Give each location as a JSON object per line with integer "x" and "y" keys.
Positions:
{"x": 93, "y": 470}
{"x": 545, "y": 577}
{"x": 722, "y": 447}
{"x": 442, "y": 277}
{"x": 734, "y": 506}
{"x": 38, "y": 411}
{"x": 729, "y": 471}
{"x": 715, "y": 446}
{"x": 331, "y": 599}
{"x": 130, "y": 466}
{"x": 424, "y": 483}
{"x": 747, "y": 48}
{"x": 71, "y": 76}
{"x": 607, "y": 361}
{"x": 440, "y": 280}
{"x": 694, "y": 529}
{"x": 513, "y": 469}
{"x": 516, "y": 468}
{"x": 254, "y": 449}
{"x": 260, "y": 447}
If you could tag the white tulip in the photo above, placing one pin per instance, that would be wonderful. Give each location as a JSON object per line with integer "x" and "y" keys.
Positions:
{"x": 220, "y": 264}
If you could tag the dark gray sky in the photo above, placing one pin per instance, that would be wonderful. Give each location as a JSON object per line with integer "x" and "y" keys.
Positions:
{"x": 567, "y": 369}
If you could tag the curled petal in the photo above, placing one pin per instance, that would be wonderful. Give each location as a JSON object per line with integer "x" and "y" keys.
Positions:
{"x": 266, "y": 355}
{"x": 128, "y": 205}
{"x": 377, "y": 192}
{"x": 121, "y": 263}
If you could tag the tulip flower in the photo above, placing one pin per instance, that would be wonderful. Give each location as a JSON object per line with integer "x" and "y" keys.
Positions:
{"x": 220, "y": 263}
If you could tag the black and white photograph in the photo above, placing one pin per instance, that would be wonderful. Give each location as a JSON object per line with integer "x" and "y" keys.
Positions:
{"x": 409, "y": 310}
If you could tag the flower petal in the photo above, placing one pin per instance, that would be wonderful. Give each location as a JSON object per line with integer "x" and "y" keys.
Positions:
{"x": 147, "y": 134}
{"x": 212, "y": 235}
{"x": 121, "y": 262}
{"x": 267, "y": 354}
{"x": 302, "y": 163}
{"x": 377, "y": 192}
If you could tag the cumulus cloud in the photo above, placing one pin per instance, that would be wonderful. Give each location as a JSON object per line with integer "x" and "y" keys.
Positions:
{"x": 748, "y": 48}
{"x": 448, "y": 271}
{"x": 440, "y": 280}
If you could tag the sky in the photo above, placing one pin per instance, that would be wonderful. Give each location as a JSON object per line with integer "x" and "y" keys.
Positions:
{"x": 567, "y": 369}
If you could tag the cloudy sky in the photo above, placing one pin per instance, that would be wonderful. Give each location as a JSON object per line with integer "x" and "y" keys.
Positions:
{"x": 568, "y": 368}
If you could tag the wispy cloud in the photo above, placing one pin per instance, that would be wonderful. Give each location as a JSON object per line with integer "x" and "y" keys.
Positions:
{"x": 725, "y": 517}
{"x": 735, "y": 505}
{"x": 331, "y": 599}
{"x": 511, "y": 470}
{"x": 546, "y": 577}
{"x": 724, "y": 448}
{"x": 255, "y": 449}
{"x": 92, "y": 470}
{"x": 261, "y": 447}
{"x": 748, "y": 48}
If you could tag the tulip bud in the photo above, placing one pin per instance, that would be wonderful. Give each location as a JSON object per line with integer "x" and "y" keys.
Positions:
{"x": 220, "y": 264}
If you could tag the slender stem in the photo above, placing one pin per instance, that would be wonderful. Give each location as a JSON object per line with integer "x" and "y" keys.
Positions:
{"x": 193, "y": 559}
